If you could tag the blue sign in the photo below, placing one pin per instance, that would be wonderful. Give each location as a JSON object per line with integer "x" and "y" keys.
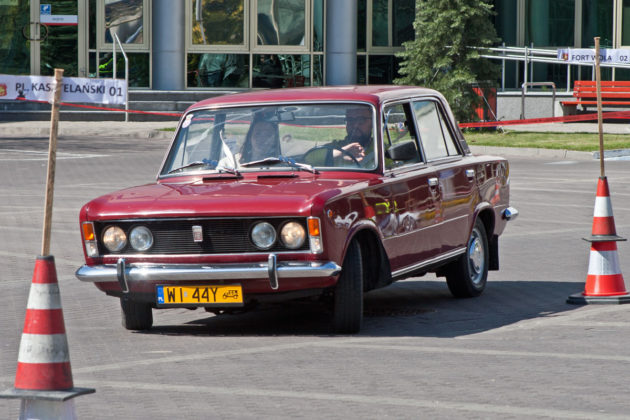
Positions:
{"x": 45, "y": 9}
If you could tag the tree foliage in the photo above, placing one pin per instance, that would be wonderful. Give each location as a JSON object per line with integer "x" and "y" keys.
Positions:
{"x": 440, "y": 56}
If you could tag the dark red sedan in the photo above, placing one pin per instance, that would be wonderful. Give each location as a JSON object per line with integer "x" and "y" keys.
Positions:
{"x": 318, "y": 193}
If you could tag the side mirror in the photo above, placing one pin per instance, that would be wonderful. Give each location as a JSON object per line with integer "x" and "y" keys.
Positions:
{"x": 405, "y": 150}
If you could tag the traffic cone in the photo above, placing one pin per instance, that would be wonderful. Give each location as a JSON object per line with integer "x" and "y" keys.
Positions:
{"x": 604, "y": 281}
{"x": 43, "y": 379}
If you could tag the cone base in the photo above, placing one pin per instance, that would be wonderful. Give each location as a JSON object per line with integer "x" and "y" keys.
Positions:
{"x": 604, "y": 238}
{"x": 46, "y": 395}
{"x": 581, "y": 299}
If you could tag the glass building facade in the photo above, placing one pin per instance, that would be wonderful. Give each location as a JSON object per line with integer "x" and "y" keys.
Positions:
{"x": 543, "y": 24}
{"x": 240, "y": 44}
{"x": 228, "y": 43}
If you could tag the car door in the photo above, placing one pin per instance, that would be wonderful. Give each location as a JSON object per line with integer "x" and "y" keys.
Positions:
{"x": 455, "y": 173}
{"x": 407, "y": 201}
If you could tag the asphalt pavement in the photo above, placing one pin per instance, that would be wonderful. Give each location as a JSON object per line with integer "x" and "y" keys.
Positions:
{"x": 519, "y": 351}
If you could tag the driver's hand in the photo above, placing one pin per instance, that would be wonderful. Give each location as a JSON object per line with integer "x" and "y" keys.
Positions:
{"x": 354, "y": 149}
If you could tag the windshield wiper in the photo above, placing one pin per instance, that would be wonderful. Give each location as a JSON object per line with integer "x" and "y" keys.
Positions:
{"x": 205, "y": 162}
{"x": 281, "y": 159}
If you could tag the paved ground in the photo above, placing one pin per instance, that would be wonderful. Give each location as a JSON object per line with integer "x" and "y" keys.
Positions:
{"x": 518, "y": 351}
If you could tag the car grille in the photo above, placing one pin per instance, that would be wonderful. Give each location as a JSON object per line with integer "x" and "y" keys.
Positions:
{"x": 175, "y": 236}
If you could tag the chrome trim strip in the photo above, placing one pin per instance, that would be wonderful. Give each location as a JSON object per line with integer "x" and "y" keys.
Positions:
{"x": 272, "y": 270}
{"x": 196, "y": 272}
{"x": 429, "y": 262}
{"x": 121, "y": 274}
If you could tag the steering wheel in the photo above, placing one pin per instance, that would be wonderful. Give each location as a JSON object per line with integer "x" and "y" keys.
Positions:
{"x": 329, "y": 154}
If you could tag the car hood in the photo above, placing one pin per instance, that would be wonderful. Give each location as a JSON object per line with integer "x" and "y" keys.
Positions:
{"x": 243, "y": 197}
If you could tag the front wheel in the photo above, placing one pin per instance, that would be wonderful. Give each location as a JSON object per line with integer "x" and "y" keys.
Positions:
{"x": 348, "y": 303}
{"x": 136, "y": 315}
{"x": 467, "y": 276}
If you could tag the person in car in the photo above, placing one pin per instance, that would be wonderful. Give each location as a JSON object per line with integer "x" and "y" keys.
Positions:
{"x": 262, "y": 141}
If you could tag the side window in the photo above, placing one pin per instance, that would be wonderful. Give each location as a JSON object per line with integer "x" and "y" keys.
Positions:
{"x": 399, "y": 139}
{"x": 436, "y": 140}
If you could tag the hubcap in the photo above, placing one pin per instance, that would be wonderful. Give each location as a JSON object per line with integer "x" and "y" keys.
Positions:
{"x": 475, "y": 257}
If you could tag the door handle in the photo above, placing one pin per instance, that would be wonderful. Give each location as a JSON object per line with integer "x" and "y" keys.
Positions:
{"x": 433, "y": 182}
{"x": 470, "y": 174}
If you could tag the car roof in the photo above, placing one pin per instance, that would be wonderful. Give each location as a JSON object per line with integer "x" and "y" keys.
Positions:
{"x": 373, "y": 94}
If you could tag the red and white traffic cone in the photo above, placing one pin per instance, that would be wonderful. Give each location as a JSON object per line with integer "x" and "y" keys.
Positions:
{"x": 604, "y": 281}
{"x": 43, "y": 379}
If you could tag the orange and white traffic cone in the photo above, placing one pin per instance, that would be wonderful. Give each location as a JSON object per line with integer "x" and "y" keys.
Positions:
{"x": 604, "y": 281}
{"x": 43, "y": 379}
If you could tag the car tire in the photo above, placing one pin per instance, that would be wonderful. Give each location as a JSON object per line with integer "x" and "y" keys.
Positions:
{"x": 348, "y": 299}
{"x": 136, "y": 316}
{"x": 467, "y": 276}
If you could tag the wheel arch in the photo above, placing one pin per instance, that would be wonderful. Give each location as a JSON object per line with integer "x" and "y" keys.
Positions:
{"x": 376, "y": 268}
{"x": 487, "y": 217}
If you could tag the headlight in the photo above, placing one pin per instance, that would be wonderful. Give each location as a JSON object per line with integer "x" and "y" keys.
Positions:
{"x": 293, "y": 235}
{"x": 263, "y": 235}
{"x": 114, "y": 238}
{"x": 141, "y": 238}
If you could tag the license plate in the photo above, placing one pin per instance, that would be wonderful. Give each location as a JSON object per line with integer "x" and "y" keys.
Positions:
{"x": 207, "y": 295}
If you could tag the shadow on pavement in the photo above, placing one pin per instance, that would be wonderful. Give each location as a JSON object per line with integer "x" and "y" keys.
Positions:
{"x": 407, "y": 308}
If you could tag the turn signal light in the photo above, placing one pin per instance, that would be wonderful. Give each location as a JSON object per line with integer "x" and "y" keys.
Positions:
{"x": 314, "y": 235}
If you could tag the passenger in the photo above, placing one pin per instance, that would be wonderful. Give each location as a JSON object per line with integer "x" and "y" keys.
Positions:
{"x": 262, "y": 141}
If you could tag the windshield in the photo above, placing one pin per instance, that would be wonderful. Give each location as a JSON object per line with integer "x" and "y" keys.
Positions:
{"x": 295, "y": 137}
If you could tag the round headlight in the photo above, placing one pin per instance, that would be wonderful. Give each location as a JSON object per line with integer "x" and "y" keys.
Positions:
{"x": 293, "y": 235}
{"x": 263, "y": 235}
{"x": 114, "y": 238}
{"x": 141, "y": 238}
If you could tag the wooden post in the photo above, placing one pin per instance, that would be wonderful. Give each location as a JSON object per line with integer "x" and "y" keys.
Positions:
{"x": 600, "y": 128}
{"x": 52, "y": 154}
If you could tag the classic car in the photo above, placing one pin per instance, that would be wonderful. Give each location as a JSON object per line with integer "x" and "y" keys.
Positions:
{"x": 309, "y": 193}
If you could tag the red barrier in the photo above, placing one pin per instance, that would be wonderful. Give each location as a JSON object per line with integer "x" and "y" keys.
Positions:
{"x": 566, "y": 118}
{"x": 100, "y": 108}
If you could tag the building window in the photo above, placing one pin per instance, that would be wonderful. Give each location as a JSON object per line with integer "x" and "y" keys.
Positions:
{"x": 392, "y": 22}
{"x": 625, "y": 23}
{"x": 126, "y": 19}
{"x": 281, "y": 70}
{"x": 218, "y": 22}
{"x": 550, "y": 23}
{"x": 281, "y": 22}
{"x": 597, "y": 20}
{"x": 218, "y": 70}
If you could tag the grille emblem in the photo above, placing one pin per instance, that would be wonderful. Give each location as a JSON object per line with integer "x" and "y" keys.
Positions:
{"x": 197, "y": 233}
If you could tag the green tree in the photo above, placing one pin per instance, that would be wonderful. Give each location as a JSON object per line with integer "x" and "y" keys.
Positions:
{"x": 440, "y": 57}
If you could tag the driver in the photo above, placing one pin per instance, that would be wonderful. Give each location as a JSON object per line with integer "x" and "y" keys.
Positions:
{"x": 359, "y": 133}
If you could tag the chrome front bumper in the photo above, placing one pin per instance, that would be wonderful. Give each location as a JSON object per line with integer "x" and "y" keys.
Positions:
{"x": 123, "y": 273}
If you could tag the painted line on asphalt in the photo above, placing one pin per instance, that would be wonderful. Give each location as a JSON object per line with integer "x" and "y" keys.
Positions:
{"x": 478, "y": 352}
{"x": 43, "y": 155}
{"x": 351, "y": 343}
{"x": 533, "y": 412}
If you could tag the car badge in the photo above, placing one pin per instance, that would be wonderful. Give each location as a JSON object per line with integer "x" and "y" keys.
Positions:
{"x": 197, "y": 233}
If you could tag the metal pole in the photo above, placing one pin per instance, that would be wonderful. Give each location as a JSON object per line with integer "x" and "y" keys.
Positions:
{"x": 503, "y": 69}
{"x": 52, "y": 154}
{"x": 598, "y": 78}
{"x": 114, "y": 58}
{"x": 525, "y": 70}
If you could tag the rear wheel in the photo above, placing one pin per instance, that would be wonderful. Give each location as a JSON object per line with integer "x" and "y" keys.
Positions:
{"x": 467, "y": 276}
{"x": 348, "y": 303}
{"x": 136, "y": 315}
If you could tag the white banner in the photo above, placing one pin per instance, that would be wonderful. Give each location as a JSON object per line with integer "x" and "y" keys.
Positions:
{"x": 587, "y": 55}
{"x": 74, "y": 89}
